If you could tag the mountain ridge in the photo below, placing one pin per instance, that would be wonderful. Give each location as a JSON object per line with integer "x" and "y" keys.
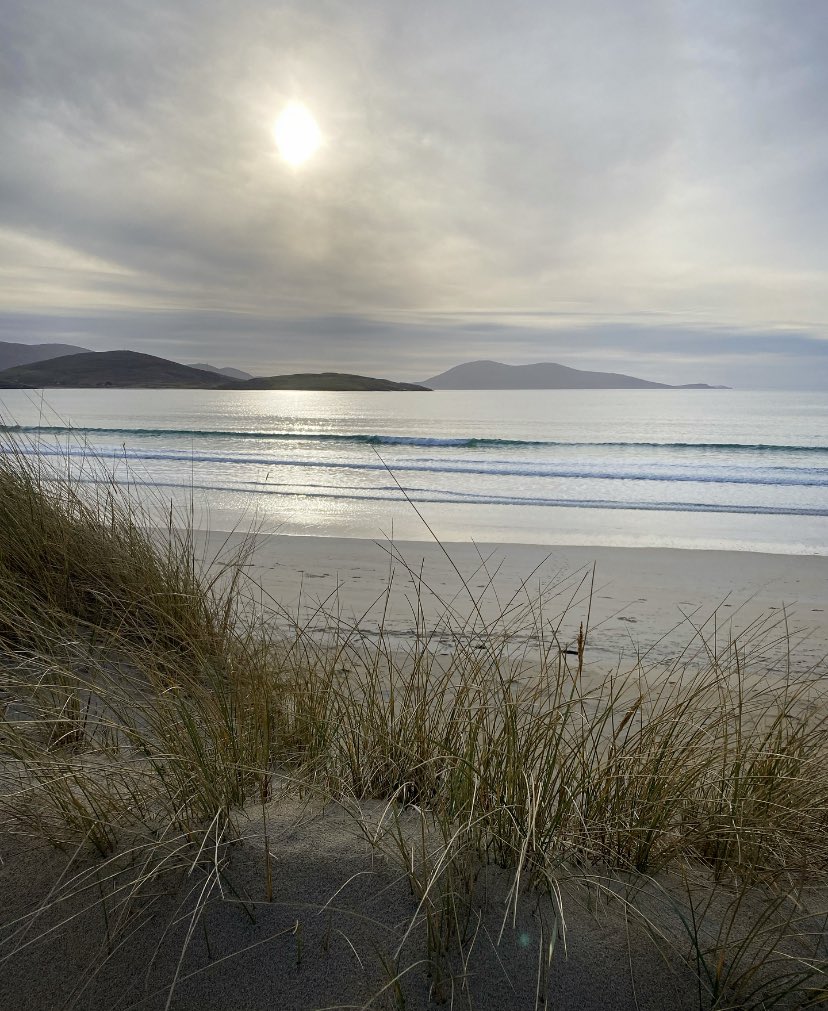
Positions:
{"x": 135, "y": 370}
{"x": 13, "y": 353}
{"x": 485, "y": 374}
{"x": 57, "y": 365}
{"x": 226, "y": 371}
{"x": 118, "y": 369}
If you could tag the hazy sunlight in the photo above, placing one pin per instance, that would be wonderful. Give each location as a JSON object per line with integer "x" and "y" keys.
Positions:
{"x": 297, "y": 134}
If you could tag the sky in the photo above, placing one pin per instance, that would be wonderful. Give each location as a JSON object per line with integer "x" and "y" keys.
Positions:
{"x": 637, "y": 186}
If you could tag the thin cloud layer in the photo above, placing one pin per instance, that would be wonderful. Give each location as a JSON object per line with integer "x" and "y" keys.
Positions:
{"x": 633, "y": 186}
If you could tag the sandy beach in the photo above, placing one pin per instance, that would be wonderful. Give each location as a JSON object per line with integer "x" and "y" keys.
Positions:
{"x": 332, "y": 936}
{"x": 413, "y": 506}
{"x": 643, "y": 600}
{"x": 334, "y": 932}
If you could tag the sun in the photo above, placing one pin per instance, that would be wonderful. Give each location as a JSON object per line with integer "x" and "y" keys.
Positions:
{"x": 297, "y": 134}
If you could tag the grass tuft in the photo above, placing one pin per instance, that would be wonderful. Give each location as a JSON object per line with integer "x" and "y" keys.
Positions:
{"x": 145, "y": 699}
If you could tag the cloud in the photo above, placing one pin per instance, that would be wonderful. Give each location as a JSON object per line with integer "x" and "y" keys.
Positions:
{"x": 590, "y": 159}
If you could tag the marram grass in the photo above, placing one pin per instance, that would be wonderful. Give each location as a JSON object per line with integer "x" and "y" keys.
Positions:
{"x": 146, "y": 700}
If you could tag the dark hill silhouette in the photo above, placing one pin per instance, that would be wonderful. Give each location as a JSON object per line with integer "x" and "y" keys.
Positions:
{"x": 131, "y": 369}
{"x": 324, "y": 381}
{"x": 487, "y": 375}
{"x": 121, "y": 369}
{"x": 13, "y": 354}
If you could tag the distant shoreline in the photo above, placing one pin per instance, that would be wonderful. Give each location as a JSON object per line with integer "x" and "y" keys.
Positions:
{"x": 388, "y": 386}
{"x": 136, "y": 370}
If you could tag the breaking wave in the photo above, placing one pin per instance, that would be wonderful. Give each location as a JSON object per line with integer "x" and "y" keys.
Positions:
{"x": 457, "y": 442}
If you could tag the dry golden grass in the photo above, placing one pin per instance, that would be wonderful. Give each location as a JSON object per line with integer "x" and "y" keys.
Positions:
{"x": 145, "y": 698}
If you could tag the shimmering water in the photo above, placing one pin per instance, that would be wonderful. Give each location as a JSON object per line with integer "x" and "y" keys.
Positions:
{"x": 703, "y": 469}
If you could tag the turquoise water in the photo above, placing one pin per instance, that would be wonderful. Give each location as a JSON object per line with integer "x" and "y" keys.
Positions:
{"x": 694, "y": 469}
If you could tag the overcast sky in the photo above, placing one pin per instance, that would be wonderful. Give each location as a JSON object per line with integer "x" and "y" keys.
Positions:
{"x": 639, "y": 186}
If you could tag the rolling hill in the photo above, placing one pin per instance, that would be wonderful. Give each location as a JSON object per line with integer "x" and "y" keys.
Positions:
{"x": 13, "y": 354}
{"x": 120, "y": 369}
{"x": 341, "y": 381}
{"x": 131, "y": 369}
{"x": 486, "y": 375}
{"x": 228, "y": 373}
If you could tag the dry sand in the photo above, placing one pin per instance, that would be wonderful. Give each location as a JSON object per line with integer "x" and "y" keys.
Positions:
{"x": 644, "y": 600}
{"x": 336, "y": 926}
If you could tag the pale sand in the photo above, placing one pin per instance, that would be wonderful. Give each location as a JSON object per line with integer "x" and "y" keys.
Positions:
{"x": 338, "y": 918}
{"x": 337, "y": 923}
{"x": 647, "y": 600}
{"x": 341, "y": 907}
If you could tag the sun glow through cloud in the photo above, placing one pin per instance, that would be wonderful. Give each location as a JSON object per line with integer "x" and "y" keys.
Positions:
{"x": 297, "y": 134}
{"x": 417, "y": 185}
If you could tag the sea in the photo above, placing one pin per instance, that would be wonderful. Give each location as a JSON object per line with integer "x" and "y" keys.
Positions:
{"x": 703, "y": 469}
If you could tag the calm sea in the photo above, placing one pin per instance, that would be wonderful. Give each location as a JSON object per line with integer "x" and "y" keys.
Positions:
{"x": 690, "y": 469}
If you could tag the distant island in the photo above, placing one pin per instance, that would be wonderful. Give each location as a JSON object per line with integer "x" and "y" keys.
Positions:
{"x": 120, "y": 369}
{"x": 49, "y": 366}
{"x": 487, "y": 375}
{"x": 134, "y": 370}
{"x": 325, "y": 381}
